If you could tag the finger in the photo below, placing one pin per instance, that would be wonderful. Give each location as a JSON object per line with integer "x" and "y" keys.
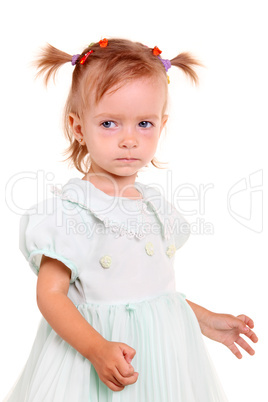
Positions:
{"x": 113, "y": 386}
{"x": 127, "y": 380}
{"x": 128, "y": 358}
{"x": 247, "y": 320}
{"x": 128, "y": 352}
{"x": 117, "y": 381}
{"x": 251, "y": 335}
{"x": 244, "y": 329}
{"x": 234, "y": 349}
{"x": 124, "y": 373}
{"x": 126, "y": 370}
{"x": 244, "y": 345}
{"x": 111, "y": 380}
{"x": 248, "y": 332}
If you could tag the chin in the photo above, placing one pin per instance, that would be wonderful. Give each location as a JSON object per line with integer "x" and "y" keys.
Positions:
{"x": 125, "y": 172}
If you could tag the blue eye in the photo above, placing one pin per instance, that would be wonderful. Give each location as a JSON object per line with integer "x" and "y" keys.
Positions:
{"x": 145, "y": 124}
{"x": 108, "y": 124}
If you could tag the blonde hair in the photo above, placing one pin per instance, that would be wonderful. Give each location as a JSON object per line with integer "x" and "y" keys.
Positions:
{"x": 107, "y": 67}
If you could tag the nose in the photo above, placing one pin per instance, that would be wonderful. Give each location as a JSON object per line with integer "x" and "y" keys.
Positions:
{"x": 128, "y": 139}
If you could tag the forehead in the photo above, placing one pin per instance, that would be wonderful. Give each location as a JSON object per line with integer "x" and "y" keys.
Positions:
{"x": 145, "y": 95}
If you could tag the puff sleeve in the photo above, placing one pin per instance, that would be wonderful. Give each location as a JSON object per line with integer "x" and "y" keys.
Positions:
{"x": 174, "y": 225}
{"x": 177, "y": 225}
{"x": 45, "y": 229}
{"x": 181, "y": 229}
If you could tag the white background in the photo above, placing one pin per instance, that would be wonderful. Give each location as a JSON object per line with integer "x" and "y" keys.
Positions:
{"x": 215, "y": 137}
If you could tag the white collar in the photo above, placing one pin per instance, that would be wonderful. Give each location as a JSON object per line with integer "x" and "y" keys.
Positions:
{"x": 112, "y": 211}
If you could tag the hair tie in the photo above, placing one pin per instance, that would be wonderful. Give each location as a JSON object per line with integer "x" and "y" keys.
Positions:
{"x": 166, "y": 63}
{"x": 156, "y": 51}
{"x": 103, "y": 42}
{"x": 75, "y": 59}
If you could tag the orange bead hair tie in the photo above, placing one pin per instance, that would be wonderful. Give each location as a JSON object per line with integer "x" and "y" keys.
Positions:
{"x": 156, "y": 51}
{"x": 103, "y": 42}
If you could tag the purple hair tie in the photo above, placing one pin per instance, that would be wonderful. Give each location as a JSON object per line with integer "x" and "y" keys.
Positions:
{"x": 166, "y": 63}
{"x": 75, "y": 59}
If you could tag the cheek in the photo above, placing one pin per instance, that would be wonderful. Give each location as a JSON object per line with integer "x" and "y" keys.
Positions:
{"x": 100, "y": 146}
{"x": 150, "y": 143}
{"x": 154, "y": 136}
{"x": 96, "y": 137}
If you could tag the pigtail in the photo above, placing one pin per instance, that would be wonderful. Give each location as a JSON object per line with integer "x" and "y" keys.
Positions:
{"x": 49, "y": 61}
{"x": 186, "y": 62}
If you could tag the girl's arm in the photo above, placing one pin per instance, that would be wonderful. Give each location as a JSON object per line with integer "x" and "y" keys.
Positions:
{"x": 226, "y": 328}
{"x": 110, "y": 359}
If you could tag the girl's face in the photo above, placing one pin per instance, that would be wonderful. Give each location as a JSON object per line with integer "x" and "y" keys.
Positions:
{"x": 122, "y": 130}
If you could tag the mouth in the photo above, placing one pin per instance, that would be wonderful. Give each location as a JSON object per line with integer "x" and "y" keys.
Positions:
{"x": 127, "y": 159}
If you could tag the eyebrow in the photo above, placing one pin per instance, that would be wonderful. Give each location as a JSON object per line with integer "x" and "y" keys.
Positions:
{"x": 118, "y": 116}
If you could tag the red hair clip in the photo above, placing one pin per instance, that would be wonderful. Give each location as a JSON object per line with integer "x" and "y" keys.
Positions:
{"x": 103, "y": 42}
{"x": 84, "y": 58}
{"x": 156, "y": 51}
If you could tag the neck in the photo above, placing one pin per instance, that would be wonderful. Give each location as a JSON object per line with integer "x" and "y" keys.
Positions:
{"x": 119, "y": 186}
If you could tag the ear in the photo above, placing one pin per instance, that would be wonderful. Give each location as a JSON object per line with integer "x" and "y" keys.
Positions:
{"x": 76, "y": 126}
{"x": 164, "y": 122}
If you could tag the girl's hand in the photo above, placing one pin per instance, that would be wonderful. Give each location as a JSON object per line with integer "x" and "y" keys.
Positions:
{"x": 226, "y": 328}
{"x": 112, "y": 363}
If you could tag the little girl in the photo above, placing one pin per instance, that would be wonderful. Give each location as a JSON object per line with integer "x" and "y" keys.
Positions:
{"x": 103, "y": 248}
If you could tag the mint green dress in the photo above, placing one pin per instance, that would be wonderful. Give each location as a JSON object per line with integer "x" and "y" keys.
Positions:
{"x": 121, "y": 255}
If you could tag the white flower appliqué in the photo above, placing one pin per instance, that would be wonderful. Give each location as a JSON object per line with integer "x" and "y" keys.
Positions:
{"x": 171, "y": 250}
{"x": 149, "y": 247}
{"x": 106, "y": 261}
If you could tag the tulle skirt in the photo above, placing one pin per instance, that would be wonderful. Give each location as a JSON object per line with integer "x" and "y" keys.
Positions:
{"x": 171, "y": 357}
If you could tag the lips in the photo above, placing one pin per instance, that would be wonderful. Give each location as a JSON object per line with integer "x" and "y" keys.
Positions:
{"x": 127, "y": 159}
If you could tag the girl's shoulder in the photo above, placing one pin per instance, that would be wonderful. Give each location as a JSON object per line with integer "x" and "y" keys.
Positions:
{"x": 46, "y": 228}
{"x": 173, "y": 222}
